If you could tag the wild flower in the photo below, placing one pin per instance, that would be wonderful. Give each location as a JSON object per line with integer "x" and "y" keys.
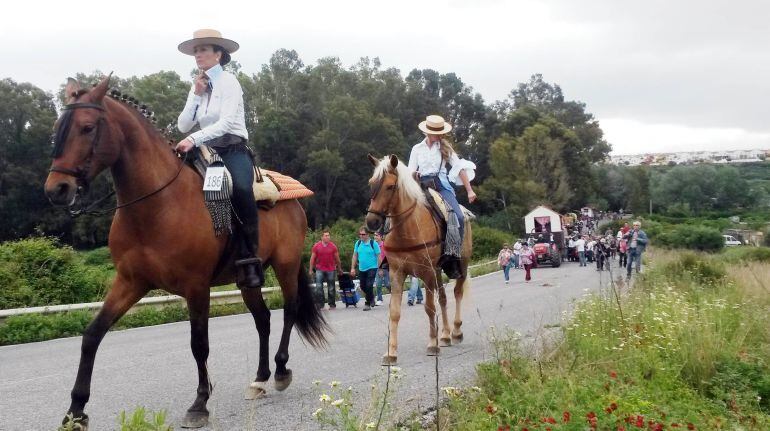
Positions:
{"x": 317, "y": 412}
{"x": 324, "y": 398}
{"x": 337, "y": 403}
{"x": 334, "y": 383}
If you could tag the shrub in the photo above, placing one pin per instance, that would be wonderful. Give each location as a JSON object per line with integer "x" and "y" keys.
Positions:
{"x": 746, "y": 254}
{"x": 38, "y": 271}
{"x": 692, "y": 237}
{"x": 488, "y": 241}
{"x": 699, "y": 267}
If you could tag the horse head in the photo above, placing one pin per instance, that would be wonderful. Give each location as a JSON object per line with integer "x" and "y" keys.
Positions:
{"x": 83, "y": 142}
{"x": 391, "y": 187}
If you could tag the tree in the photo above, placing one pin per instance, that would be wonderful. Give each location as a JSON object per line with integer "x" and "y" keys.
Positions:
{"x": 26, "y": 116}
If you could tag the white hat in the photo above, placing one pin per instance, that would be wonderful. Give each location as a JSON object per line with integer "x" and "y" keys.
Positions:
{"x": 207, "y": 36}
{"x": 435, "y": 125}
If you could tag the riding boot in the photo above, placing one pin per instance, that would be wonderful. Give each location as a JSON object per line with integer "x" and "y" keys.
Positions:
{"x": 249, "y": 272}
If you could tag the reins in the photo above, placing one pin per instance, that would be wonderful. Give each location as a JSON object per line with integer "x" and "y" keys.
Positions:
{"x": 81, "y": 173}
{"x": 384, "y": 214}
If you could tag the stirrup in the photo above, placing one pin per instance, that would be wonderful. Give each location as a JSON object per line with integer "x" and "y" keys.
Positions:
{"x": 249, "y": 273}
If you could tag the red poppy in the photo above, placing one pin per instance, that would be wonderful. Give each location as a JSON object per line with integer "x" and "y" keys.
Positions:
{"x": 639, "y": 421}
{"x": 613, "y": 374}
{"x": 613, "y": 406}
{"x": 549, "y": 420}
{"x": 690, "y": 426}
{"x": 621, "y": 428}
{"x": 565, "y": 417}
{"x": 674, "y": 425}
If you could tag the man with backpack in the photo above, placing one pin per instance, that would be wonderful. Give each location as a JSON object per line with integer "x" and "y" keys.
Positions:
{"x": 366, "y": 257}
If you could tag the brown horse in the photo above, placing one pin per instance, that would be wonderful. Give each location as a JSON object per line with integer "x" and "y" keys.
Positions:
{"x": 162, "y": 238}
{"x": 414, "y": 247}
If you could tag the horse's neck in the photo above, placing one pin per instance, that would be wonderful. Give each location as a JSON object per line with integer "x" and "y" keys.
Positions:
{"x": 145, "y": 163}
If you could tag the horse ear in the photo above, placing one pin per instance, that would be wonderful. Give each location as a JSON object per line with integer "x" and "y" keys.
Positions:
{"x": 393, "y": 161}
{"x": 373, "y": 159}
{"x": 97, "y": 94}
{"x": 71, "y": 90}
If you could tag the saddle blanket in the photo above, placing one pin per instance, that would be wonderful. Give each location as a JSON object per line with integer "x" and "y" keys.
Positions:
{"x": 443, "y": 206}
{"x": 280, "y": 187}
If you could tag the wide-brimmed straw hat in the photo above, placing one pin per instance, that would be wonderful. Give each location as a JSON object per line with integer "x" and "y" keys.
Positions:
{"x": 207, "y": 36}
{"x": 435, "y": 125}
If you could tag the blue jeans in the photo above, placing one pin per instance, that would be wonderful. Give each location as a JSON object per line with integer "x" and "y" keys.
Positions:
{"x": 380, "y": 281}
{"x": 634, "y": 256}
{"x": 507, "y": 268}
{"x": 451, "y": 199}
{"x": 516, "y": 263}
{"x": 582, "y": 256}
{"x": 415, "y": 292}
{"x": 331, "y": 291}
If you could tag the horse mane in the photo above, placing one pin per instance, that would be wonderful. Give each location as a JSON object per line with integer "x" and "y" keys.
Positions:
{"x": 143, "y": 113}
{"x": 407, "y": 186}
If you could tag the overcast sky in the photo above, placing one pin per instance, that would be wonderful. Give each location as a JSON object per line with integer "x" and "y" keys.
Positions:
{"x": 659, "y": 75}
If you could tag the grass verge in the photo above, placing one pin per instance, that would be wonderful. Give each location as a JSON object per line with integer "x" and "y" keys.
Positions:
{"x": 38, "y": 327}
{"x": 686, "y": 348}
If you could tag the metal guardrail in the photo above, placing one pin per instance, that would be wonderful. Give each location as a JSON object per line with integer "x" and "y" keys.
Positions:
{"x": 217, "y": 298}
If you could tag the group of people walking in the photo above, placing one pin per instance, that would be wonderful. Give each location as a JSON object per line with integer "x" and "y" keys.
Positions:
{"x": 520, "y": 256}
{"x": 627, "y": 245}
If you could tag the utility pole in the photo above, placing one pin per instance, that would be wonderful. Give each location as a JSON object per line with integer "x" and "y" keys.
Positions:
{"x": 650, "y": 206}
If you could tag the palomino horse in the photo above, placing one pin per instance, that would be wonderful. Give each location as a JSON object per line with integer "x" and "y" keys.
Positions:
{"x": 162, "y": 238}
{"x": 414, "y": 247}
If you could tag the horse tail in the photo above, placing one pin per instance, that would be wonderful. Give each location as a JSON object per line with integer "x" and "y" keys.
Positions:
{"x": 310, "y": 322}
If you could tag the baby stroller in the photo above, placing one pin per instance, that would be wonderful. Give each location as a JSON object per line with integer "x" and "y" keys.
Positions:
{"x": 348, "y": 290}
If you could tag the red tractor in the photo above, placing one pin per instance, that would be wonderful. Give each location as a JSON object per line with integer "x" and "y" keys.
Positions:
{"x": 547, "y": 253}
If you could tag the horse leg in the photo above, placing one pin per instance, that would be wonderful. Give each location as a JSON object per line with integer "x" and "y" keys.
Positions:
{"x": 457, "y": 333}
{"x": 431, "y": 285}
{"x": 444, "y": 340}
{"x": 396, "y": 293}
{"x": 121, "y": 297}
{"x": 287, "y": 278}
{"x": 197, "y": 415}
{"x": 256, "y": 304}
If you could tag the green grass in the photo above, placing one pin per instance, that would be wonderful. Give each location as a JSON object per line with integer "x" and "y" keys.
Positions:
{"x": 687, "y": 346}
{"x": 38, "y": 327}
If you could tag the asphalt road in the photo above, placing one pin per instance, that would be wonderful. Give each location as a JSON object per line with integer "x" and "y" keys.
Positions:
{"x": 154, "y": 367}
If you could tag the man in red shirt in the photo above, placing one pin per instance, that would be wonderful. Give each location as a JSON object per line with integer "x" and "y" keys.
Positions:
{"x": 325, "y": 259}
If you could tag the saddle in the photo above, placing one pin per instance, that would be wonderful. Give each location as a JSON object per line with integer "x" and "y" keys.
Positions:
{"x": 450, "y": 235}
{"x": 269, "y": 187}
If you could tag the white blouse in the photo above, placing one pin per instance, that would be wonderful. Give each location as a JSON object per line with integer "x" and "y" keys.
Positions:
{"x": 217, "y": 112}
{"x": 427, "y": 161}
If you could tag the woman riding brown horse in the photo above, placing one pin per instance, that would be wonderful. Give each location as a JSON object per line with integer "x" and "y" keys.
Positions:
{"x": 162, "y": 237}
{"x": 414, "y": 247}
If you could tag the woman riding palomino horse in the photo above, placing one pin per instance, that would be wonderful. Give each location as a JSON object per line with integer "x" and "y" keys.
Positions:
{"x": 414, "y": 241}
{"x": 162, "y": 237}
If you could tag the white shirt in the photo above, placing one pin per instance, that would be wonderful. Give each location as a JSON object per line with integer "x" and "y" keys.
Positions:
{"x": 517, "y": 248}
{"x": 580, "y": 244}
{"x": 217, "y": 113}
{"x": 427, "y": 161}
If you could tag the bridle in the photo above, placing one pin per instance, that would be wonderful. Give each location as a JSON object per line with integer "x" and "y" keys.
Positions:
{"x": 81, "y": 173}
{"x": 376, "y": 188}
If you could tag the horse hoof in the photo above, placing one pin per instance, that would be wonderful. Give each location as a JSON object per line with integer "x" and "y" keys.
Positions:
{"x": 457, "y": 339}
{"x": 282, "y": 381}
{"x": 195, "y": 419}
{"x": 445, "y": 342}
{"x": 389, "y": 360}
{"x": 76, "y": 423}
{"x": 433, "y": 351}
{"x": 255, "y": 391}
